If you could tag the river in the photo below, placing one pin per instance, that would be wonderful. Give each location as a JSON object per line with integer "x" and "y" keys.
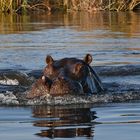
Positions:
{"x": 113, "y": 39}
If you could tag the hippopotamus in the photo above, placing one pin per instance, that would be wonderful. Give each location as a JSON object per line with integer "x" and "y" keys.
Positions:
{"x": 67, "y": 76}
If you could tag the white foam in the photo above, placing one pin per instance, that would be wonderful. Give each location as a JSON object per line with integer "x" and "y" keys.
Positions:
{"x": 8, "y": 99}
{"x": 7, "y": 81}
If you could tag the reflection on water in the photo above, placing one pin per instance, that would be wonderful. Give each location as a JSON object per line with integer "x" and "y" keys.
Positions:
{"x": 116, "y": 21}
{"x": 99, "y": 122}
{"x": 113, "y": 38}
{"x": 64, "y": 122}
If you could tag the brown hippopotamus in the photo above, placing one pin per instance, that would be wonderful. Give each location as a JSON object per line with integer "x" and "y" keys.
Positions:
{"x": 67, "y": 76}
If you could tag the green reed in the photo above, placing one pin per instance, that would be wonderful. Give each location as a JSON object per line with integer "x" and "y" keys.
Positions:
{"x": 12, "y": 5}
{"x": 5, "y": 5}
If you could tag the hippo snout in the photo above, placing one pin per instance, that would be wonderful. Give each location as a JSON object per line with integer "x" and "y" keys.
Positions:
{"x": 62, "y": 85}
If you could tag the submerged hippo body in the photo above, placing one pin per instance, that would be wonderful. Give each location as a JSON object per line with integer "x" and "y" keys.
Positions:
{"x": 68, "y": 76}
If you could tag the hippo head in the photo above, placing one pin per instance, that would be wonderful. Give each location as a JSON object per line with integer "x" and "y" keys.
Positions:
{"x": 66, "y": 76}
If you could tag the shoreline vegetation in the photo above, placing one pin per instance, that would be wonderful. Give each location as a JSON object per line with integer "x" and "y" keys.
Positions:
{"x": 29, "y": 6}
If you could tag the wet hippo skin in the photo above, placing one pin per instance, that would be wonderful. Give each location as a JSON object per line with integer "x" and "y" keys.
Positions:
{"x": 67, "y": 76}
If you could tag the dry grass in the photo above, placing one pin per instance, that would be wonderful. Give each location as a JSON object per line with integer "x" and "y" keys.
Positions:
{"x": 23, "y": 5}
{"x": 91, "y": 5}
{"x": 73, "y": 5}
{"x": 5, "y": 5}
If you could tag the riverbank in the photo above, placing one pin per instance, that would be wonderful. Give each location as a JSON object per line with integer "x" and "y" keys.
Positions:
{"x": 29, "y": 6}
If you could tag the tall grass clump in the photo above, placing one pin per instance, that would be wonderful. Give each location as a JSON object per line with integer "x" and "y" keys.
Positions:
{"x": 23, "y": 6}
{"x": 94, "y": 5}
{"x": 6, "y": 5}
{"x": 12, "y": 5}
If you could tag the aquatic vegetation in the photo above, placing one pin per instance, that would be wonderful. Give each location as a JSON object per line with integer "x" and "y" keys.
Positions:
{"x": 94, "y": 5}
{"x": 24, "y": 6}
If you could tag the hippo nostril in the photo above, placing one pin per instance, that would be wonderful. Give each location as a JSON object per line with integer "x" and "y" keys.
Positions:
{"x": 43, "y": 78}
{"x": 46, "y": 81}
{"x": 61, "y": 78}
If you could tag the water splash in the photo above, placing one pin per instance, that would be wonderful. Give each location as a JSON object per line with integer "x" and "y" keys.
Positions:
{"x": 122, "y": 84}
{"x": 7, "y": 81}
{"x": 8, "y": 99}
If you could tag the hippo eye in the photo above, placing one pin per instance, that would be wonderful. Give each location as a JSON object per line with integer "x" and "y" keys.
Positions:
{"x": 78, "y": 68}
{"x": 51, "y": 72}
{"x": 48, "y": 70}
{"x": 80, "y": 72}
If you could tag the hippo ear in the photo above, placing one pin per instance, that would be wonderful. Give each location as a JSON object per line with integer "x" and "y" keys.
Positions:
{"x": 88, "y": 58}
{"x": 49, "y": 59}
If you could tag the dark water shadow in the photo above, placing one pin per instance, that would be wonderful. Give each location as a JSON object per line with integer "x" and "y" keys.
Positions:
{"x": 64, "y": 122}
